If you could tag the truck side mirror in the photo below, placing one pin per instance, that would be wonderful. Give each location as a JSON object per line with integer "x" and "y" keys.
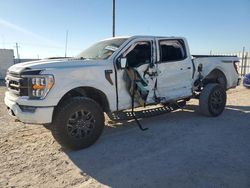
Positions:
{"x": 123, "y": 63}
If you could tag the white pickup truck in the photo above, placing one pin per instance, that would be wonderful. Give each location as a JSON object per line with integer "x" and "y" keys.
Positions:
{"x": 71, "y": 95}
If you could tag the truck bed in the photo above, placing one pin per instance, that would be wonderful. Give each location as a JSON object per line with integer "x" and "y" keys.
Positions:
{"x": 223, "y": 64}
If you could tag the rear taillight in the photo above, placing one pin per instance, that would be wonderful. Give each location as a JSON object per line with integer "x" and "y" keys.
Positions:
{"x": 236, "y": 66}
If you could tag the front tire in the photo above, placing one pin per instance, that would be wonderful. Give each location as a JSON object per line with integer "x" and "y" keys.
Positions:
{"x": 78, "y": 122}
{"x": 212, "y": 100}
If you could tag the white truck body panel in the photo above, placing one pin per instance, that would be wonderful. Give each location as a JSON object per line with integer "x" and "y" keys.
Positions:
{"x": 224, "y": 64}
{"x": 179, "y": 74}
{"x": 175, "y": 80}
{"x": 79, "y": 73}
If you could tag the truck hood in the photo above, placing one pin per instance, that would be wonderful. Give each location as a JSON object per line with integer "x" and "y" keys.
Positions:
{"x": 46, "y": 64}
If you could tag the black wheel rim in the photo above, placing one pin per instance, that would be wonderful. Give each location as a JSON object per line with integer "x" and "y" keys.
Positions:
{"x": 216, "y": 101}
{"x": 80, "y": 124}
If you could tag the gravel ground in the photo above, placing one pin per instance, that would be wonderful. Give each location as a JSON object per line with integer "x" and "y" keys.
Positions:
{"x": 180, "y": 149}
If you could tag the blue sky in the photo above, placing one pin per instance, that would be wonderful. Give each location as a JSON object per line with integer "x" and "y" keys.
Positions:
{"x": 39, "y": 26}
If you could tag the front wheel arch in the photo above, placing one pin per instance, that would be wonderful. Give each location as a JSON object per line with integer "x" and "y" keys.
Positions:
{"x": 90, "y": 92}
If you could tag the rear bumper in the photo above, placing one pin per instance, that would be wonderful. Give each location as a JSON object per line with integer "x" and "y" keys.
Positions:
{"x": 38, "y": 115}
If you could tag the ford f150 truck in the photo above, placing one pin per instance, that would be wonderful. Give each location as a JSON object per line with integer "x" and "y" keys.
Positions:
{"x": 71, "y": 95}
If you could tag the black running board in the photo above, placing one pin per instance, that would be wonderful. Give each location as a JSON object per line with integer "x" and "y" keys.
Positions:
{"x": 128, "y": 115}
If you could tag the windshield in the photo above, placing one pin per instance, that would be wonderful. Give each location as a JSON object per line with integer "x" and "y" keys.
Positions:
{"x": 102, "y": 50}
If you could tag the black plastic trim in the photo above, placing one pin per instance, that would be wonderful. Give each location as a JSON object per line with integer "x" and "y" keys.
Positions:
{"x": 107, "y": 76}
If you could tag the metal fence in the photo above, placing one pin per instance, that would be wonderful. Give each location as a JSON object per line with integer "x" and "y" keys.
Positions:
{"x": 244, "y": 65}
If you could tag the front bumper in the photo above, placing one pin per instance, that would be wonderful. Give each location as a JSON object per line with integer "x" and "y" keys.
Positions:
{"x": 40, "y": 115}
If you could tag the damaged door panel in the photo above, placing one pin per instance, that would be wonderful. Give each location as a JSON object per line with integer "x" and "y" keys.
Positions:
{"x": 175, "y": 77}
{"x": 140, "y": 55}
{"x": 136, "y": 85}
{"x": 139, "y": 60}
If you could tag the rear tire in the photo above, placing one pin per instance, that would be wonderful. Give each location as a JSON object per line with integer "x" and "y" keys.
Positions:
{"x": 212, "y": 100}
{"x": 77, "y": 123}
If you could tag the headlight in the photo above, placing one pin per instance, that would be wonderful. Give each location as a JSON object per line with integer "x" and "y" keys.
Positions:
{"x": 39, "y": 85}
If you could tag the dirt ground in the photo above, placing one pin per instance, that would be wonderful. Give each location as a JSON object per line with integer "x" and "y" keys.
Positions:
{"x": 180, "y": 149}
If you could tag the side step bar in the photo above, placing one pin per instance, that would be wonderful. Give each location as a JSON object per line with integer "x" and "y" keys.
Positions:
{"x": 128, "y": 115}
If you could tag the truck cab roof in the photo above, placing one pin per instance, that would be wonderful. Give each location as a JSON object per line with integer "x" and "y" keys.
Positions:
{"x": 145, "y": 36}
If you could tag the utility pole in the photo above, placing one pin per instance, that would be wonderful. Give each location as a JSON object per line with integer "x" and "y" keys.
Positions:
{"x": 66, "y": 43}
{"x": 17, "y": 53}
{"x": 113, "y": 18}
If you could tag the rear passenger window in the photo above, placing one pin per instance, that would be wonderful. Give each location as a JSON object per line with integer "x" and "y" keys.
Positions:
{"x": 172, "y": 50}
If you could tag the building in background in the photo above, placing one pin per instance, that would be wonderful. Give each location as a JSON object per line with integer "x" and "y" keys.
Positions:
{"x": 6, "y": 60}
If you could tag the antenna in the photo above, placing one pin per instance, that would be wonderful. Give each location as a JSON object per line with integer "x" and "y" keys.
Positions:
{"x": 66, "y": 43}
{"x": 17, "y": 53}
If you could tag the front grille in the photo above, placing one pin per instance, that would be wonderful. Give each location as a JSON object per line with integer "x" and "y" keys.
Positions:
{"x": 16, "y": 84}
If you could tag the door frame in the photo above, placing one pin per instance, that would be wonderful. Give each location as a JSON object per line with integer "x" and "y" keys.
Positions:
{"x": 187, "y": 57}
{"x": 123, "y": 49}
